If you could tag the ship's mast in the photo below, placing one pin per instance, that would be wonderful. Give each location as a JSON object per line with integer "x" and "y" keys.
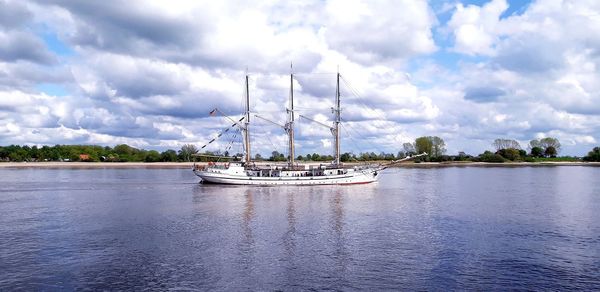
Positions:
{"x": 337, "y": 121}
{"x": 290, "y": 124}
{"x": 246, "y": 124}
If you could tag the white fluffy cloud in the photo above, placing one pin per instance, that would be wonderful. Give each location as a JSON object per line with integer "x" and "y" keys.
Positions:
{"x": 147, "y": 74}
{"x": 378, "y": 31}
{"x": 476, "y": 28}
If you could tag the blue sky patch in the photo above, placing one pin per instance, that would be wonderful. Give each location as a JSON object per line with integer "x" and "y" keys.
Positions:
{"x": 55, "y": 45}
{"x": 52, "y": 89}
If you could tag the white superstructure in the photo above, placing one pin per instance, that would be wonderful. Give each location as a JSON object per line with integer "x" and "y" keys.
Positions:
{"x": 237, "y": 173}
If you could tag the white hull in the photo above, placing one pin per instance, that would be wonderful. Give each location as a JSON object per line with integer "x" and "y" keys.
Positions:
{"x": 242, "y": 178}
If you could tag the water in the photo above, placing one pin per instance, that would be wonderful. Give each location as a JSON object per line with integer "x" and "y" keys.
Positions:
{"x": 435, "y": 229}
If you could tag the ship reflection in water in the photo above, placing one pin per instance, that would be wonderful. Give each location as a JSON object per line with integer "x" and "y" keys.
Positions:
{"x": 416, "y": 229}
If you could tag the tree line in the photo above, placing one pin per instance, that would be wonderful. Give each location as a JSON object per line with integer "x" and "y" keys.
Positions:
{"x": 93, "y": 153}
{"x": 435, "y": 147}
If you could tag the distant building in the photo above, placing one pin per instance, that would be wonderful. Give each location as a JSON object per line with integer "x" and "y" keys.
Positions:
{"x": 84, "y": 157}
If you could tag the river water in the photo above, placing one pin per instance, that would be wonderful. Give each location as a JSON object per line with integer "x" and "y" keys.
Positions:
{"x": 435, "y": 229}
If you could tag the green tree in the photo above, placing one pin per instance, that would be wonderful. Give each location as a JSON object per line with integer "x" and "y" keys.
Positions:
{"x": 274, "y": 155}
{"x": 152, "y": 156}
{"x": 488, "y": 156}
{"x": 545, "y": 143}
{"x": 593, "y": 155}
{"x": 168, "y": 156}
{"x": 423, "y": 145}
{"x": 510, "y": 154}
{"x": 345, "y": 157}
{"x": 316, "y": 157}
{"x": 534, "y": 143}
{"x": 438, "y": 146}
{"x": 537, "y": 151}
{"x": 409, "y": 149}
{"x": 187, "y": 151}
{"x": 550, "y": 151}
{"x": 550, "y": 142}
{"x": 434, "y": 146}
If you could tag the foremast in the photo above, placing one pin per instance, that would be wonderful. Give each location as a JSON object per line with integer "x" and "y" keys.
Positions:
{"x": 248, "y": 156}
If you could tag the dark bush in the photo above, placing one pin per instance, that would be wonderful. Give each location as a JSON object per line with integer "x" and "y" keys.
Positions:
{"x": 593, "y": 155}
{"x": 488, "y": 156}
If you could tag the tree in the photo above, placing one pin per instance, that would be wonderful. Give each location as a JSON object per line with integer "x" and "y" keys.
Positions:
{"x": 434, "y": 146}
{"x": 550, "y": 151}
{"x": 316, "y": 157}
{"x": 258, "y": 157}
{"x": 488, "y": 156}
{"x": 500, "y": 144}
{"x": 438, "y": 146}
{"x": 276, "y": 156}
{"x": 123, "y": 149}
{"x": 593, "y": 155}
{"x": 548, "y": 142}
{"x": 187, "y": 151}
{"x": 537, "y": 151}
{"x": 409, "y": 149}
{"x": 462, "y": 156}
{"x": 534, "y": 143}
{"x": 545, "y": 143}
{"x": 345, "y": 157}
{"x": 152, "y": 156}
{"x": 168, "y": 156}
{"x": 423, "y": 145}
{"x": 509, "y": 153}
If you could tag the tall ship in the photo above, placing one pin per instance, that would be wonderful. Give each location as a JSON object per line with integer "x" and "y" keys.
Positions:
{"x": 247, "y": 172}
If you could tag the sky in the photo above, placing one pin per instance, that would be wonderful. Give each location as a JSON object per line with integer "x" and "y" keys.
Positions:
{"x": 147, "y": 73}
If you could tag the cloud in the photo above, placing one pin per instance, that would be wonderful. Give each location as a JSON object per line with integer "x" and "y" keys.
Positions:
{"x": 147, "y": 74}
{"x": 483, "y": 94}
{"x": 22, "y": 46}
{"x": 379, "y": 31}
{"x": 128, "y": 27}
{"x": 13, "y": 14}
{"x": 475, "y": 27}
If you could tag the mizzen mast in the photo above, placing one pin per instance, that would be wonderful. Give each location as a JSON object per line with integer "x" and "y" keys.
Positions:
{"x": 248, "y": 156}
{"x": 290, "y": 123}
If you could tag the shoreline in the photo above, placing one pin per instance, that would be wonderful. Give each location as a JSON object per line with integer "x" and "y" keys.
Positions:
{"x": 184, "y": 165}
{"x": 55, "y": 164}
{"x": 494, "y": 164}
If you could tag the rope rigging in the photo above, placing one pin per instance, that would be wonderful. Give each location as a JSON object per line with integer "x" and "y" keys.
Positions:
{"x": 346, "y": 128}
{"x": 221, "y": 133}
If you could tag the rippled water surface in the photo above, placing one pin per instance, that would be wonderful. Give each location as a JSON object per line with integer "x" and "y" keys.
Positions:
{"x": 449, "y": 228}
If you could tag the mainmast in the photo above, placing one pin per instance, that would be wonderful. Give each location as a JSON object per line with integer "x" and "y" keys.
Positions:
{"x": 248, "y": 156}
{"x": 336, "y": 127}
{"x": 290, "y": 124}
